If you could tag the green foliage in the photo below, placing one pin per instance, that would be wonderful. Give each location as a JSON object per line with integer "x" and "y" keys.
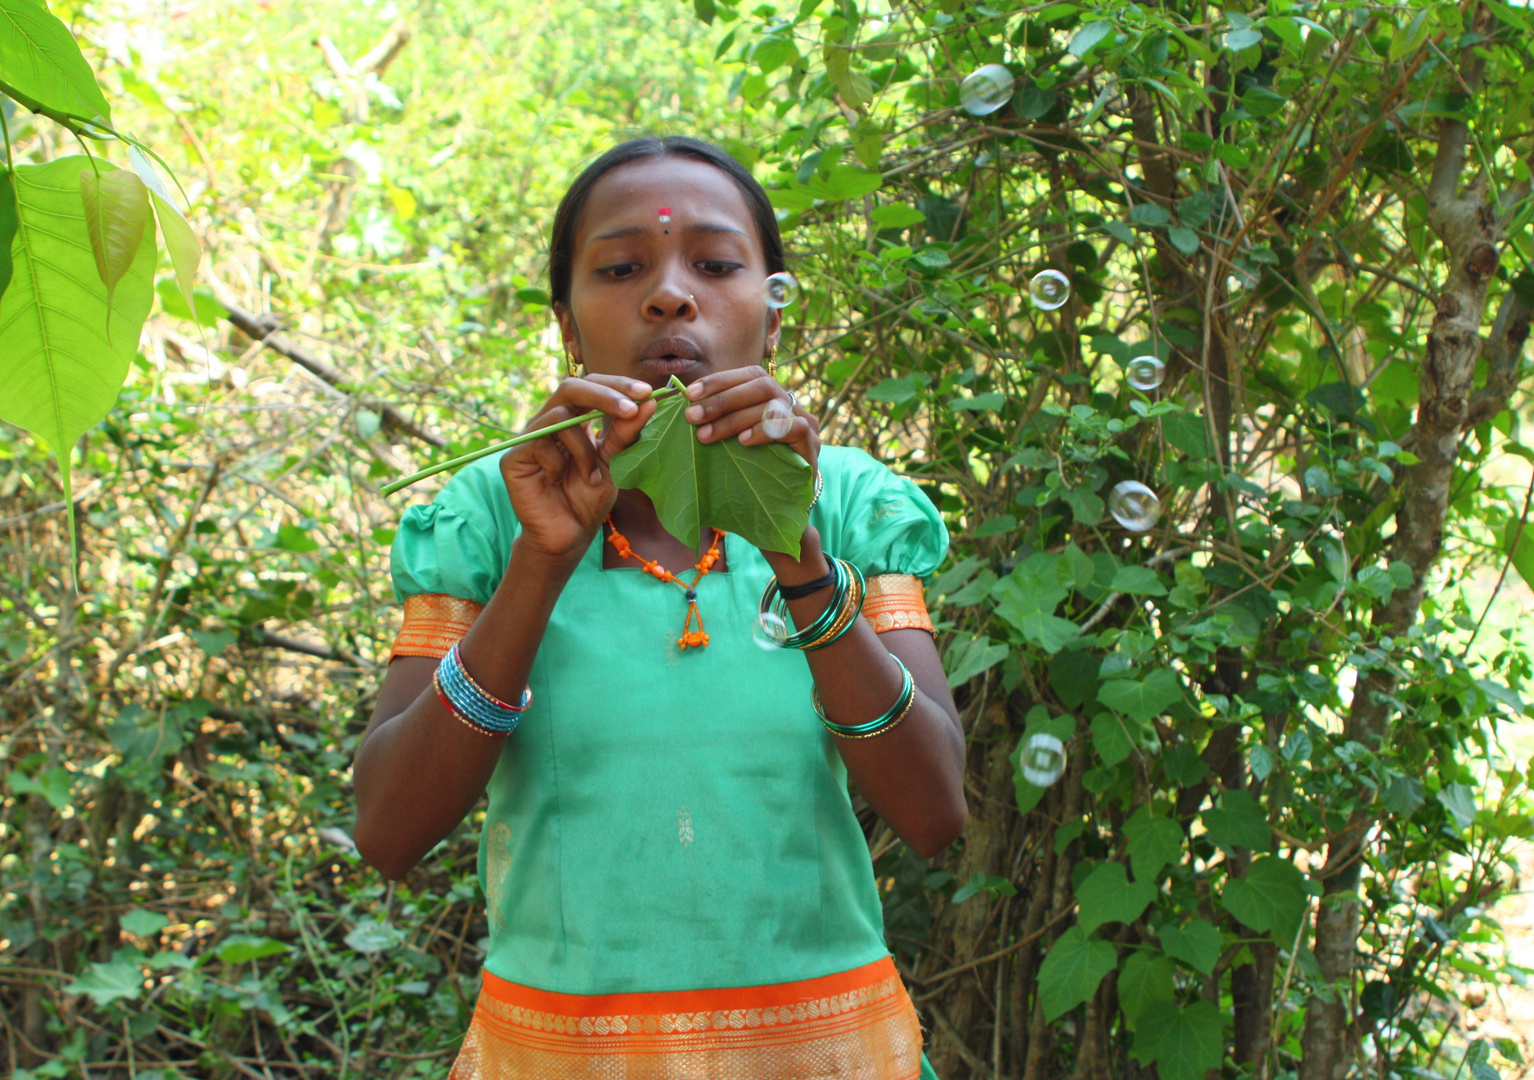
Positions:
{"x": 761, "y": 493}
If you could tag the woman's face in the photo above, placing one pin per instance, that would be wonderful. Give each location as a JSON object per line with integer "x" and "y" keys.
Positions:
{"x": 650, "y": 298}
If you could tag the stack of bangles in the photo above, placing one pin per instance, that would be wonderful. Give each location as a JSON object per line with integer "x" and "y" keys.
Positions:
{"x": 465, "y": 699}
{"x": 845, "y": 606}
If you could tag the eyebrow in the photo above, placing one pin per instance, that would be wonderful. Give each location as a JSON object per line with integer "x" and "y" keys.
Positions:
{"x": 696, "y": 227}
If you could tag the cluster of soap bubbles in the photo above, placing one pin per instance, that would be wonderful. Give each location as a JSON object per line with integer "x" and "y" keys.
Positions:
{"x": 1042, "y": 759}
{"x": 780, "y": 289}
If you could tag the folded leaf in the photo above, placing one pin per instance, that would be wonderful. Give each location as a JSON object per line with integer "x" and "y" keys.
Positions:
{"x": 760, "y": 493}
{"x": 180, "y": 242}
{"x": 116, "y": 211}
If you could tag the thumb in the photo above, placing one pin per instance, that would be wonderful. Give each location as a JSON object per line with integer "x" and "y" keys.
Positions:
{"x": 622, "y": 433}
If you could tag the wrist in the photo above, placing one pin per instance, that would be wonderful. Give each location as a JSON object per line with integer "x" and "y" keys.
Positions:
{"x": 811, "y": 563}
{"x": 530, "y": 564}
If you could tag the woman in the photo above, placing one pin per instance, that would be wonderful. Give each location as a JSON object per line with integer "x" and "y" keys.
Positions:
{"x": 677, "y": 884}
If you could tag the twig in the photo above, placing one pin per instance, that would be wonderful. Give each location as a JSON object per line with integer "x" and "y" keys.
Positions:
{"x": 1113, "y": 598}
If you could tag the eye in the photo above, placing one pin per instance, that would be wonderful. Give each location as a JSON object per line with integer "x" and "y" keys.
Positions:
{"x": 717, "y": 267}
{"x": 619, "y": 271}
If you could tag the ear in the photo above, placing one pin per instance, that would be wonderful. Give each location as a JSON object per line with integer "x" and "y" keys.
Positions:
{"x": 568, "y": 334}
{"x": 774, "y": 328}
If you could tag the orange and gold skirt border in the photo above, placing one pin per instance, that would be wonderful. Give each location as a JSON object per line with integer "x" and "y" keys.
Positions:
{"x": 857, "y": 1023}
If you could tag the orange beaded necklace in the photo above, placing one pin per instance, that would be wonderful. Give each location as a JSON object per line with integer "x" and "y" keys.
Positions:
{"x": 690, "y": 638}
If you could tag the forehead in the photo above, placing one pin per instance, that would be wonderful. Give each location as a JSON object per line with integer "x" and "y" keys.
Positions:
{"x": 692, "y": 189}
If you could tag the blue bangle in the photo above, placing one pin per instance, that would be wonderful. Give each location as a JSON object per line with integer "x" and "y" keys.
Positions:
{"x": 472, "y": 704}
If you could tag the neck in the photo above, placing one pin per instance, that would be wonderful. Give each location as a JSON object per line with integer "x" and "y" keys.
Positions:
{"x": 635, "y": 512}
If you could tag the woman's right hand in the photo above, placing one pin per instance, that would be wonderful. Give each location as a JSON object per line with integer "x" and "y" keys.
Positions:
{"x": 560, "y": 485}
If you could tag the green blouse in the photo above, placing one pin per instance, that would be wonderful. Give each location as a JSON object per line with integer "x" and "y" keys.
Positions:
{"x": 666, "y": 819}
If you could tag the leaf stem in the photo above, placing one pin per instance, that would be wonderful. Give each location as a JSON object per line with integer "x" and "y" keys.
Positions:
{"x": 390, "y": 488}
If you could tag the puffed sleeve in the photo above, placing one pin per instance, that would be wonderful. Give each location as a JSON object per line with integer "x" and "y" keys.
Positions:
{"x": 449, "y": 557}
{"x": 881, "y": 522}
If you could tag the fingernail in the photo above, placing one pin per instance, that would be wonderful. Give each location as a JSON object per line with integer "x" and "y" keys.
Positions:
{"x": 694, "y": 413}
{"x": 705, "y": 431}
{"x": 596, "y": 476}
{"x": 640, "y": 388}
{"x": 695, "y": 391}
{"x": 627, "y": 408}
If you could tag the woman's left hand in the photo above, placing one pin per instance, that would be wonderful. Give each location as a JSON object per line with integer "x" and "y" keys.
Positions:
{"x": 730, "y": 404}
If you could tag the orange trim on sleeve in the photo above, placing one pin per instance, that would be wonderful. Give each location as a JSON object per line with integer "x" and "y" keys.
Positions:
{"x": 854, "y": 1023}
{"x": 434, "y": 623}
{"x": 896, "y": 602}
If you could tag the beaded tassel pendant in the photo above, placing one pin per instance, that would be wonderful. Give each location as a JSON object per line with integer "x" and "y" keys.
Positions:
{"x": 690, "y": 638}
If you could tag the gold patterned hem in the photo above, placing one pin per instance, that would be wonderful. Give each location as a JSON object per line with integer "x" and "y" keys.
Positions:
{"x": 434, "y": 623}
{"x": 896, "y": 602}
{"x": 858, "y": 1025}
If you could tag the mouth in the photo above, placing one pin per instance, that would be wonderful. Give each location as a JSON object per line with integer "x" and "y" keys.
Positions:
{"x": 670, "y": 356}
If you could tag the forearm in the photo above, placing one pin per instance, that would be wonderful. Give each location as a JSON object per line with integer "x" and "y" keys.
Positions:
{"x": 913, "y": 774}
{"x": 418, "y": 773}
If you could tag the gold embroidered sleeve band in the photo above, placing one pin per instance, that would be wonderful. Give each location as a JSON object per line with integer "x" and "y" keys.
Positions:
{"x": 896, "y": 602}
{"x": 434, "y": 623}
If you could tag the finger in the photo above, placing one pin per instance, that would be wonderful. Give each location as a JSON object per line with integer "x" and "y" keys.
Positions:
{"x": 720, "y": 381}
{"x": 552, "y": 458}
{"x": 610, "y": 394}
{"x": 755, "y": 391}
{"x": 622, "y": 434}
{"x": 583, "y": 455}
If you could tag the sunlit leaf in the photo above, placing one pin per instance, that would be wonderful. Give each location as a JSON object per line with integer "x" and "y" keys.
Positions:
{"x": 60, "y": 369}
{"x": 760, "y": 493}
{"x": 41, "y": 65}
{"x": 180, "y": 242}
{"x": 1270, "y": 897}
{"x": 116, "y": 211}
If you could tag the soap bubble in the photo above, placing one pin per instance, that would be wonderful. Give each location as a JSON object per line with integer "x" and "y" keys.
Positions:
{"x": 777, "y": 419}
{"x": 1133, "y": 505}
{"x": 1043, "y": 759}
{"x": 986, "y": 90}
{"x": 780, "y": 289}
{"x": 769, "y": 631}
{"x": 1049, "y": 289}
{"x": 1145, "y": 372}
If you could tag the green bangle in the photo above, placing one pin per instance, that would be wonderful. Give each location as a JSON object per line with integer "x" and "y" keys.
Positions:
{"x": 849, "y": 616}
{"x": 772, "y": 602}
{"x": 897, "y": 712}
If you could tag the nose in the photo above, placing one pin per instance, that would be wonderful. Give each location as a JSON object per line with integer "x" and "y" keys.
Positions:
{"x": 670, "y": 299}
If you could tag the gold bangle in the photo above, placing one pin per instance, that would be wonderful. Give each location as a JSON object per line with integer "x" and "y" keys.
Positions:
{"x": 820, "y": 709}
{"x": 851, "y": 606}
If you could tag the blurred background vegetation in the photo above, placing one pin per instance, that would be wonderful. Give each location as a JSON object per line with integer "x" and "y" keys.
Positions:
{"x": 1246, "y": 866}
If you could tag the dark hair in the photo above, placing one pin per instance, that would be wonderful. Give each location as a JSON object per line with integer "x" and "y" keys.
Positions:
{"x": 567, "y": 217}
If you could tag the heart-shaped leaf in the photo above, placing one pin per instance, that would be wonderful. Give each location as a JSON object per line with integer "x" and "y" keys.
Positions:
{"x": 1072, "y": 970}
{"x": 116, "y": 211}
{"x": 760, "y": 493}
{"x": 1107, "y": 895}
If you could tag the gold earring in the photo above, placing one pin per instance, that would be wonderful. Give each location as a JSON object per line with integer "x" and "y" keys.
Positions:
{"x": 772, "y": 359}
{"x": 570, "y": 365}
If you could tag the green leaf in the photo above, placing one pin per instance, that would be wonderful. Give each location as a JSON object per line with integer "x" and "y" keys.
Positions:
{"x": 1183, "y": 239}
{"x": 180, "y": 242}
{"x": 42, "y": 67}
{"x": 143, "y": 922}
{"x": 55, "y": 785}
{"x": 1107, "y": 895}
{"x": 370, "y": 936}
{"x": 969, "y": 656}
{"x": 897, "y": 216}
{"x": 760, "y": 493}
{"x": 1153, "y": 842}
{"x": 1142, "y": 699}
{"x": 214, "y": 642}
{"x": 116, "y": 210}
{"x": 1145, "y": 979}
{"x": 1459, "y": 801}
{"x": 704, "y": 10}
{"x": 853, "y": 181}
{"x": 1072, "y": 970}
{"x": 1184, "y": 1042}
{"x": 1111, "y": 739}
{"x": 1198, "y": 944}
{"x": 206, "y": 311}
{"x": 1237, "y": 40}
{"x": 7, "y": 227}
{"x": 1150, "y": 215}
{"x": 1088, "y": 37}
{"x": 243, "y": 948}
{"x": 1403, "y": 796}
{"x": 1271, "y": 897}
{"x": 1239, "y": 822}
{"x": 115, "y": 980}
{"x": 1137, "y": 580}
